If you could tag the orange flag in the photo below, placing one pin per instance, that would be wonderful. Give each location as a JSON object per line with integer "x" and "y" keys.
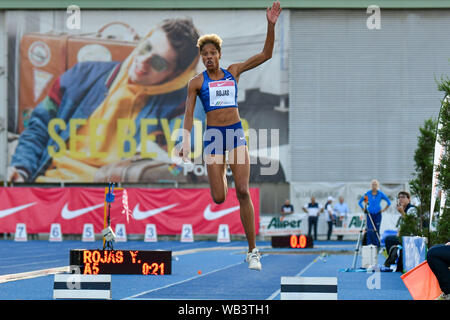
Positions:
{"x": 422, "y": 283}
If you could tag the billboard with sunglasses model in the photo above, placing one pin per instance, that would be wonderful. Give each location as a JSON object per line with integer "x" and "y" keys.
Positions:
{"x": 104, "y": 101}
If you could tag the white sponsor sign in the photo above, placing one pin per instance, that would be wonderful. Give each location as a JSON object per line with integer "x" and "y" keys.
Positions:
{"x": 297, "y": 223}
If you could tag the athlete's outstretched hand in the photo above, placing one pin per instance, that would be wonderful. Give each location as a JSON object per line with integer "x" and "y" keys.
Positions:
{"x": 274, "y": 12}
{"x": 183, "y": 150}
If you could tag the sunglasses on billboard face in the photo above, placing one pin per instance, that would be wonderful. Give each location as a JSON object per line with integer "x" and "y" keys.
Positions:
{"x": 158, "y": 63}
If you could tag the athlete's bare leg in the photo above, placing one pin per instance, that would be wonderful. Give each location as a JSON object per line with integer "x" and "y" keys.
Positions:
{"x": 216, "y": 168}
{"x": 239, "y": 162}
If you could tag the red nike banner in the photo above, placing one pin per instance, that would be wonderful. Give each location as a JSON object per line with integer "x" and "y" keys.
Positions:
{"x": 168, "y": 209}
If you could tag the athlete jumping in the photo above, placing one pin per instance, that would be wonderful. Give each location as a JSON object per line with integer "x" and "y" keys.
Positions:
{"x": 217, "y": 89}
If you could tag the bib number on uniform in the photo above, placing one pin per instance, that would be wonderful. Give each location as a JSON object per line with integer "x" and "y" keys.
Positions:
{"x": 222, "y": 93}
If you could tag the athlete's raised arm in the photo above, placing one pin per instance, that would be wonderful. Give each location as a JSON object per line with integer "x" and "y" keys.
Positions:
{"x": 272, "y": 14}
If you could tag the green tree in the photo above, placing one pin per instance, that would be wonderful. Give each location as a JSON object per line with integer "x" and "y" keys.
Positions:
{"x": 420, "y": 186}
{"x": 443, "y": 225}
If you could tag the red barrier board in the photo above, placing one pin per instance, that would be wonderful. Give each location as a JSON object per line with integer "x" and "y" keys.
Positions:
{"x": 168, "y": 209}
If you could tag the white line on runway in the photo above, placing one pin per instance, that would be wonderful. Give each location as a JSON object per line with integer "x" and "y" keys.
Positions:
{"x": 32, "y": 274}
{"x": 31, "y": 263}
{"x": 180, "y": 282}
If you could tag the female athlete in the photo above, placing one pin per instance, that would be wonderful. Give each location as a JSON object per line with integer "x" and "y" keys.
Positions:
{"x": 217, "y": 89}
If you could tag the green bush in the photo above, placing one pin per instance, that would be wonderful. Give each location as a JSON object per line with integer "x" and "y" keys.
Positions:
{"x": 443, "y": 224}
{"x": 420, "y": 186}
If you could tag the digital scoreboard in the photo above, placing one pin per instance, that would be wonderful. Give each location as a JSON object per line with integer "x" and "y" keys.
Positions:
{"x": 121, "y": 261}
{"x": 292, "y": 241}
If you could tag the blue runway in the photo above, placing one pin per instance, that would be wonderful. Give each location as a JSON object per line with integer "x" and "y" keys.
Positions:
{"x": 223, "y": 273}
{"x": 229, "y": 278}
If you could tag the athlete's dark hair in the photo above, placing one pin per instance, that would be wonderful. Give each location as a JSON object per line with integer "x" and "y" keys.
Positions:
{"x": 210, "y": 38}
{"x": 183, "y": 37}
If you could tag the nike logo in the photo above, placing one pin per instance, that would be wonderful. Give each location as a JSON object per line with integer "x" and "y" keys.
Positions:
{"x": 71, "y": 214}
{"x": 140, "y": 215}
{"x": 7, "y": 212}
{"x": 213, "y": 215}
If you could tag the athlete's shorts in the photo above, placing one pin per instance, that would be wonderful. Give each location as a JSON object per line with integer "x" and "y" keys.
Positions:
{"x": 218, "y": 139}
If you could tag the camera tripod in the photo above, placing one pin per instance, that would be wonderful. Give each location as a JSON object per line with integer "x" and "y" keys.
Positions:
{"x": 363, "y": 225}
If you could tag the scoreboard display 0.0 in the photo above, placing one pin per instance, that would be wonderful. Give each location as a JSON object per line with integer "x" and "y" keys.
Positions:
{"x": 292, "y": 241}
{"x": 121, "y": 261}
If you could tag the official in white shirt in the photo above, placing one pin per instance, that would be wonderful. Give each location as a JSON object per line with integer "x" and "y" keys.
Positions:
{"x": 341, "y": 209}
